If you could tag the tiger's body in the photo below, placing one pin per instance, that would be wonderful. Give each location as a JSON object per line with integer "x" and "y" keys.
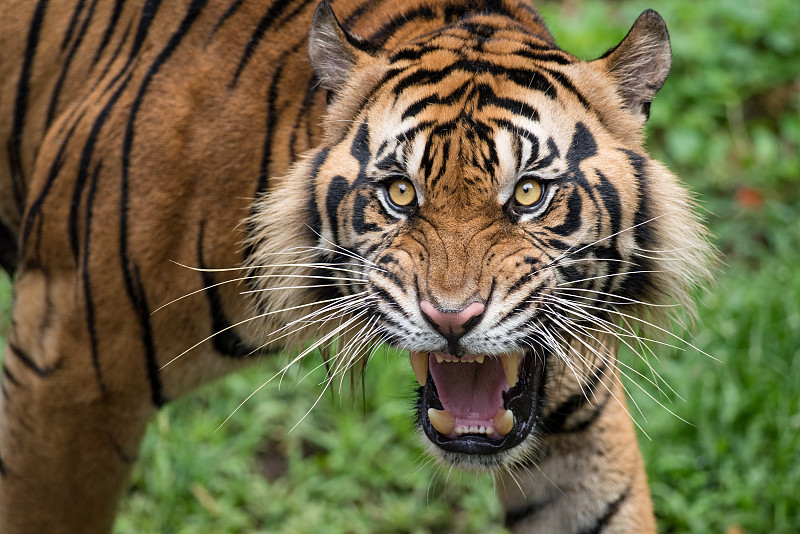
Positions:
{"x": 381, "y": 189}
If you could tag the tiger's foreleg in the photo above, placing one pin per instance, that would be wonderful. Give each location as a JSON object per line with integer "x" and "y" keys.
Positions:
{"x": 68, "y": 435}
{"x": 590, "y": 476}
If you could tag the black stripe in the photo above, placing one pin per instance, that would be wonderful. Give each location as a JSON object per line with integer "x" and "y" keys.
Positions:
{"x": 582, "y": 147}
{"x": 314, "y": 217}
{"x": 126, "y": 458}
{"x": 73, "y": 21}
{"x": 392, "y": 277}
{"x": 130, "y": 270}
{"x": 360, "y": 226}
{"x": 271, "y": 18}
{"x": 116, "y": 53}
{"x": 555, "y": 421}
{"x": 229, "y": 12}
{"x": 149, "y": 10}
{"x": 610, "y": 197}
{"x": 573, "y": 217}
{"x": 139, "y": 300}
{"x": 567, "y": 83}
{"x": 517, "y": 107}
{"x": 582, "y": 425}
{"x": 435, "y": 99}
{"x": 9, "y": 252}
{"x": 108, "y": 32}
{"x": 147, "y": 16}
{"x": 527, "y": 79}
{"x": 337, "y": 190}
{"x": 304, "y": 116}
{"x": 634, "y": 285}
{"x": 10, "y": 377}
{"x": 364, "y": 9}
{"x": 224, "y": 338}
{"x": 545, "y": 161}
{"x": 388, "y": 299}
{"x": 548, "y": 56}
{"x": 526, "y": 511}
{"x": 42, "y": 372}
{"x": 272, "y": 119}
{"x": 611, "y": 509}
{"x": 87, "y": 290}
{"x": 83, "y": 165}
{"x": 397, "y": 22}
{"x": 36, "y": 206}
{"x": 21, "y": 105}
{"x": 51, "y": 108}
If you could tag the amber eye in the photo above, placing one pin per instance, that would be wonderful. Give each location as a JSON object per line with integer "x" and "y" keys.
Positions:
{"x": 402, "y": 193}
{"x": 528, "y": 192}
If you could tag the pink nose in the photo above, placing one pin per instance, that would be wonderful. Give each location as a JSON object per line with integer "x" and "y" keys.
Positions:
{"x": 451, "y": 324}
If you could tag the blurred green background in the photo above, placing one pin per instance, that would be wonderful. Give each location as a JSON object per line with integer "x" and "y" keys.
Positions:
{"x": 728, "y": 122}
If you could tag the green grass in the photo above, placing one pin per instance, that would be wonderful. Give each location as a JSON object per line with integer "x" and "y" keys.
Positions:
{"x": 728, "y": 121}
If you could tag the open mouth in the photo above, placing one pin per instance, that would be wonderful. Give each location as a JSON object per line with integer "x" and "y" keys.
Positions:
{"x": 478, "y": 404}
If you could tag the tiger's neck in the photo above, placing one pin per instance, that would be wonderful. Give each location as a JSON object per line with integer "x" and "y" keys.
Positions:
{"x": 589, "y": 478}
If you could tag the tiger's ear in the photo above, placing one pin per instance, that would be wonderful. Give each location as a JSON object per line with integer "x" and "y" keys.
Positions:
{"x": 640, "y": 63}
{"x": 333, "y": 51}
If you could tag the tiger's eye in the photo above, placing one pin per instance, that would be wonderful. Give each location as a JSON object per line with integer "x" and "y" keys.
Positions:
{"x": 528, "y": 192}
{"x": 402, "y": 193}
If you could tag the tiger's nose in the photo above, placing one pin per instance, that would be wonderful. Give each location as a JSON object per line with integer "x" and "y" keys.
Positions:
{"x": 452, "y": 324}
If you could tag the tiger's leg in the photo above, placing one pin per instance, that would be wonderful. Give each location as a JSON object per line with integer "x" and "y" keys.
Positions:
{"x": 68, "y": 437}
{"x": 590, "y": 476}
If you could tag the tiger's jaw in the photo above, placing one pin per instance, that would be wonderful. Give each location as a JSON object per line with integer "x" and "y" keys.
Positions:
{"x": 475, "y": 407}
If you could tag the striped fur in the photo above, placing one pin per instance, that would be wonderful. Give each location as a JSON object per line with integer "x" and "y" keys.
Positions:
{"x": 139, "y": 137}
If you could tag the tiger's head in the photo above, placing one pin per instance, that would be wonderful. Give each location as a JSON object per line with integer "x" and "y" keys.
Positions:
{"x": 482, "y": 199}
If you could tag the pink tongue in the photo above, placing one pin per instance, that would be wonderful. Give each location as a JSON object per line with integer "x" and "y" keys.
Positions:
{"x": 471, "y": 392}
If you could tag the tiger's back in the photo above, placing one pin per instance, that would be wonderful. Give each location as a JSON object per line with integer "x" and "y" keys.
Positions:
{"x": 144, "y": 137}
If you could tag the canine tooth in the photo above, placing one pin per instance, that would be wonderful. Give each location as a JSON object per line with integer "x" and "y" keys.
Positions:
{"x": 419, "y": 363}
{"x": 479, "y": 359}
{"x": 503, "y": 422}
{"x": 439, "y": 359}
{"x": 511, "y": 368}
{"x": 442, "y": 421}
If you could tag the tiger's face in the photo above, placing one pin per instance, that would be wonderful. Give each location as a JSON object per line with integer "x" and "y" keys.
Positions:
{"x": 492, "y": 195}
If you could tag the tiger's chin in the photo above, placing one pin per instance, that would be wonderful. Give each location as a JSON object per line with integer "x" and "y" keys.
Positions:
{"x": 476, "y": 410}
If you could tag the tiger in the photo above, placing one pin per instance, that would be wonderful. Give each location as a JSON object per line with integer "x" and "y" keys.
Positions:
{"x": 189, "y": 187}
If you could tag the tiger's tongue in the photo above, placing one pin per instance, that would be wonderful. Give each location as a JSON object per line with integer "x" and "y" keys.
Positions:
{"x": 471, "y": 392}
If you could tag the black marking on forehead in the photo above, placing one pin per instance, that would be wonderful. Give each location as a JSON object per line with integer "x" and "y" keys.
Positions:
{"x": 552, "y": 154}
{"x": 435, "y": 99}
{"x": 527, "y": 79}
{"x": 583, "y": 147}
{"x": 520, "y": 132}
{"x": 360, "y": 147}
{"x": 487, "y": 97}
